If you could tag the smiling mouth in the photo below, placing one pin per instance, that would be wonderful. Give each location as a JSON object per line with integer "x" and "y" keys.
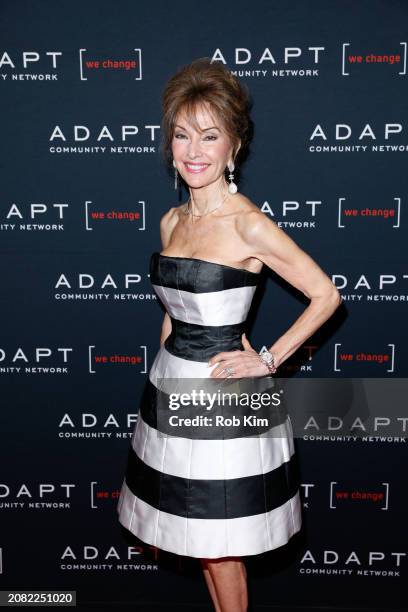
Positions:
{"x": 195, "y": 168}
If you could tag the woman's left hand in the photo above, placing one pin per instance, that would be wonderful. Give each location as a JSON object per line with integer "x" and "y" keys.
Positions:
{"x": 244, "y": 363}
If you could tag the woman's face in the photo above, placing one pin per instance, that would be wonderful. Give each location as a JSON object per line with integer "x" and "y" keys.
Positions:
{"x": 200, "y": 157}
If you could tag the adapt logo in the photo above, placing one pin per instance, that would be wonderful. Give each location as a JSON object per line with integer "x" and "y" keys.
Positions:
{"x": 35, "y": 360}
{"x": 88, "y": 286}
{"x": 91, "y": 426}
{"x": 58, "y": 216}
{"x": 66, "y": 141}
{"x": 306, "y": 213}
{"x": 390, "y": 287}
{"x": 343, "y": 132}
{"x": 360, "y": 563}
{"x": 91, "y": 558}
{"x": 102, "y": 64}
{"x": 42, "y": 496}
{"x": 30, "y": 66}
{"x": 283, "y": 62}
{"x": 34, "y": 217}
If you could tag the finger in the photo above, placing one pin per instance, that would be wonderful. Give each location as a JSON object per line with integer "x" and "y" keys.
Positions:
{"x": 215, "y": 358}
{"x": 236, "y": 360}
{"x": 219, "y": 371}
{"x": 245, "y": 341}
{"x": 221, "y": 374}
{"x": 224, "y": 375}
{"x": 222, "y": 356}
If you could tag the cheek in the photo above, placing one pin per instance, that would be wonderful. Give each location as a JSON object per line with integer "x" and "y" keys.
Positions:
{"x": 221, "y": 150}
{"x": 177, "y": 147}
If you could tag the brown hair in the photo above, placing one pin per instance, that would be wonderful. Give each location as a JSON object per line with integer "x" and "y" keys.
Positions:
{"x": 212, "y": 85}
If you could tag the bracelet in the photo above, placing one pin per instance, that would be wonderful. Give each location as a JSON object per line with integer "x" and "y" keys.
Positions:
{"x": 268, "y": 359}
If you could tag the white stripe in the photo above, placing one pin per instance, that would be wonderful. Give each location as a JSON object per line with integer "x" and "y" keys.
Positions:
{"x": 166, "y": 365}
{"x": 213, "y": 459}
{"x": 224, "y": 307}
{"x": 251, "y": 535}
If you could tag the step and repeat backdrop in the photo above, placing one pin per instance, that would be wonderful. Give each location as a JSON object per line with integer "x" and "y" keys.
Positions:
{"x": 83, "y": 188}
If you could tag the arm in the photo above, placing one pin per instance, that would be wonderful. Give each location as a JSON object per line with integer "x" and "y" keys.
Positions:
{"x": 267, "y": 242}
{"x": 166, "y": 227}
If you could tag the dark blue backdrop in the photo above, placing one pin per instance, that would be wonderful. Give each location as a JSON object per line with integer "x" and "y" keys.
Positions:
{"x": 80, "y": 324}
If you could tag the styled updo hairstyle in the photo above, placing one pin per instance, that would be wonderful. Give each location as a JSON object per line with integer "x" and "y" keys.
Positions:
{"x": 224, "y": 95}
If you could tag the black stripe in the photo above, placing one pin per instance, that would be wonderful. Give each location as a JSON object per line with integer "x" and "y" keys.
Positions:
{"x": 212, "y": 499}
{"x": 155, "y": 411}
{"x": 197, "y": 275}
{"x": 200, "y": 342}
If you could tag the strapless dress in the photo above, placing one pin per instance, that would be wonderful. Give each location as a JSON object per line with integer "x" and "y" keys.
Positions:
{"x": 236, "y": 495}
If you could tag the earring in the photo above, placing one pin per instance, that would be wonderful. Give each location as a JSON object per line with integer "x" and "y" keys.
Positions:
{"x": 232, "y": 188}
{"x": 175, "y": 175}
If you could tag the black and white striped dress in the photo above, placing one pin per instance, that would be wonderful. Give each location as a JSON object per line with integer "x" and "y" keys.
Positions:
{"x": 206, "y": 497}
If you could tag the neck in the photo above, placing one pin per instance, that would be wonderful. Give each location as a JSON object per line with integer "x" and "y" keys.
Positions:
{"x": 205, "y": 198}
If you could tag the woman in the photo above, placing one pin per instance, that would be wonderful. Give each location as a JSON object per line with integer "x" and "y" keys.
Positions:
{"x": 216, "y": 499}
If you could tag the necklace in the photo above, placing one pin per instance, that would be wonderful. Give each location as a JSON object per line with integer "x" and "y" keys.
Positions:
{"x": 189, "y": 212}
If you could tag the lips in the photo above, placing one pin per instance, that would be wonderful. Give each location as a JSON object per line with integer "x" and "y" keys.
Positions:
{"x": 195, "y": 168}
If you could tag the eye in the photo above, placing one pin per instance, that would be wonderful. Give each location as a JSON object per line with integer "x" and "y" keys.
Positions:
{"x": 179, "y": 134}
{"x": 212, "y": 137}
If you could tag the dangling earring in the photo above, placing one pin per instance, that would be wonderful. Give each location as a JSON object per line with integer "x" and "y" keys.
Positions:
{"x": 232, "y": 188}
{"x": 175, "y": 175}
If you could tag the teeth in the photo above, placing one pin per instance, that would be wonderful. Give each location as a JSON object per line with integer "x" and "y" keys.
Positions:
{"x": 196, "y": 166}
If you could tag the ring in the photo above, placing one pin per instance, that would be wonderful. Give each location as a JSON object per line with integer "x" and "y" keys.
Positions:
{"x": 229, "y": 371}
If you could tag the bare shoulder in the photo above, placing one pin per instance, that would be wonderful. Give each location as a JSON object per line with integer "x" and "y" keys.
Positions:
{"x": 168, "y": 222}
{"x": 261, "y": 235}
{"x": 250, "y": 219}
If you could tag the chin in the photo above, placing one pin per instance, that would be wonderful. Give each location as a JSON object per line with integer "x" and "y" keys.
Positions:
{"x": 196, "y": 182}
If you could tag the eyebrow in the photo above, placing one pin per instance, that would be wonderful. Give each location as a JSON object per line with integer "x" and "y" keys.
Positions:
{"x": 213, "y": 127}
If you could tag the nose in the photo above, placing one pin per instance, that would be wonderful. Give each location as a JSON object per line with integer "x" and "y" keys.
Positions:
{"x": 194, "y": 149}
